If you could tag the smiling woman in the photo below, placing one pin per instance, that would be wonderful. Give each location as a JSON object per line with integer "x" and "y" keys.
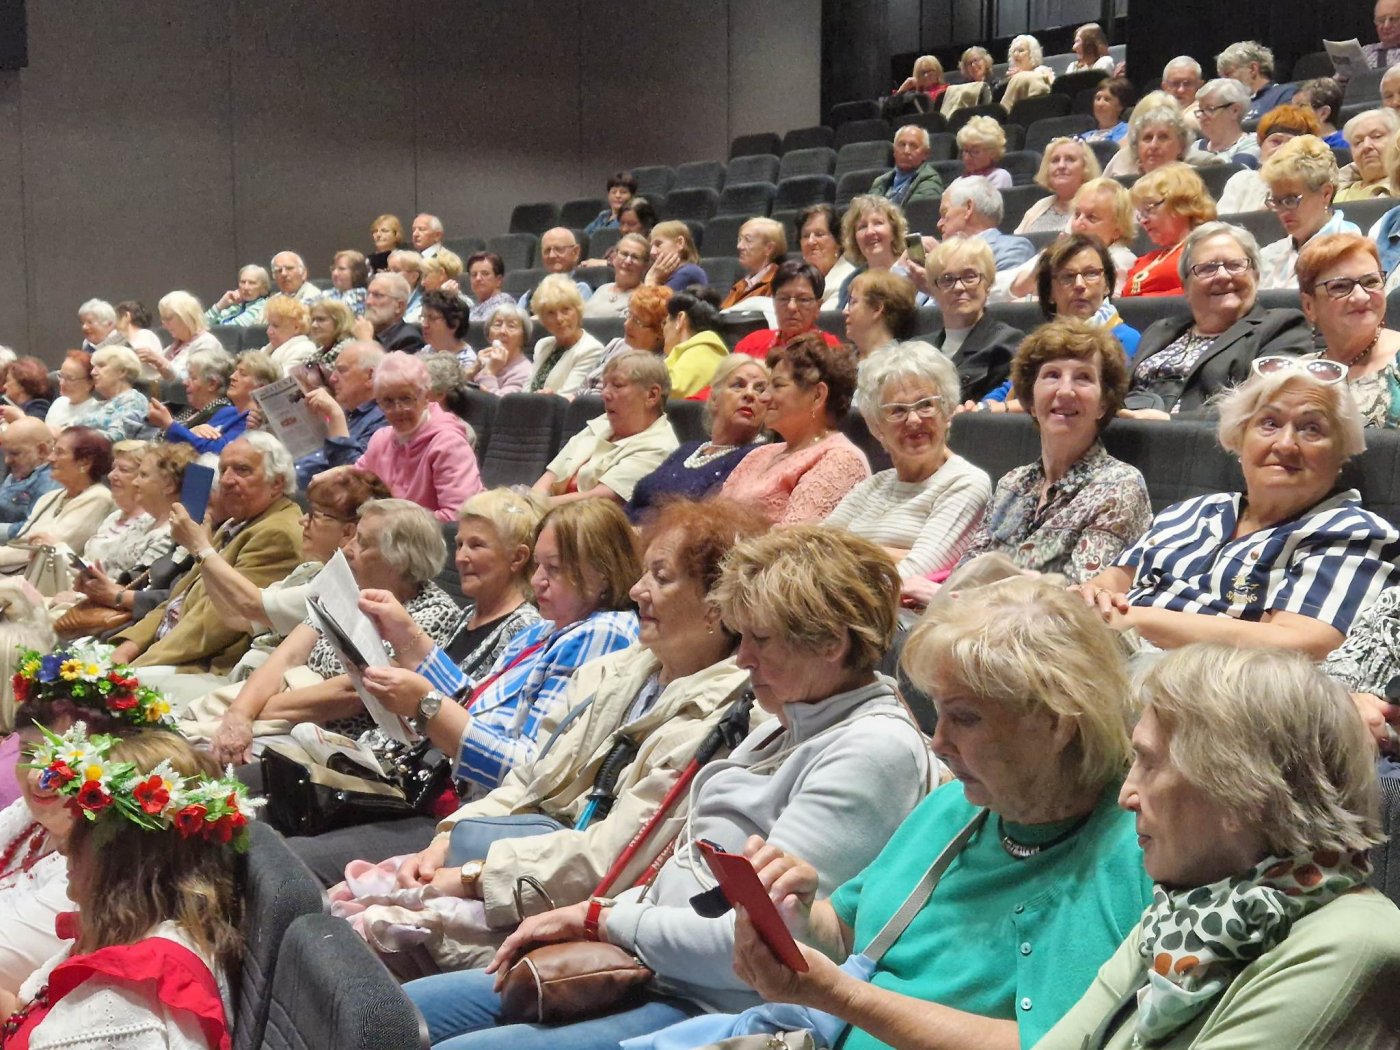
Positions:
{"x": 1302, "y": 180}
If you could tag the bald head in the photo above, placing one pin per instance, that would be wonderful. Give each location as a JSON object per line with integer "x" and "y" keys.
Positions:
{"x": 559, "y": 251}
{"x": 426, "y": 231}
{"x": 289, "y": 271}
{"x": 28, "y": 443}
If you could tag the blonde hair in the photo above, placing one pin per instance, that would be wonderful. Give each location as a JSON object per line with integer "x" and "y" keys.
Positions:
{"x": 1272, "y": 740}
{"x": 259, "y": 366}
{"x": 286, "y": 308}
{"x": 186, "y": 308}
{"x": 1030, "y": 644}
{"x": 593, "y": 534}
{"x": 1091, "y": 162}
{"x": 771, "y": 231}
{"x": 340, "y": 314}
{"x": 1122, "y": 204}
{"x": 856, "y": 211}
{"x": 1305, "y": 158}
{"x": 555, "y": 292}
{"x": 123, "y": 357}
{"x": 514, "y": 514}
{"x": 983, "y": 131}
{"x": 928, "y": 62}
{"x": 1180, "y": 190}
{"x": 1239, "y": 404}
{"x": 974, "y": 251}
{"x": 674, "y": 229}
{"x": 769, "y": 583}
{"x": 445, "y": 263}
{"x": 408, "y": 260}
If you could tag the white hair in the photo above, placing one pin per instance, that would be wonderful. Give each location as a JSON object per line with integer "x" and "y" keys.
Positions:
{"x": 98, "y": 310}
{"x": 914, "y": 359}
{"x": 1183, "y": 62}
{"x": 1242, "y": 54}
{"x": 922, "y": 133}
{"x": 985, "y": 198}
{"x": 1225, "y": 90}
{"x": 397, "y": 283}
{"x": 1385, "y": 115}
{"x": 1037, "y": 54}
{"x": 277, "y": 461}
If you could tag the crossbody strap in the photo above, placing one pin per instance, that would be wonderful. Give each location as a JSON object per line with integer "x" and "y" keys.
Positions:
{"x": 919, "y": 896}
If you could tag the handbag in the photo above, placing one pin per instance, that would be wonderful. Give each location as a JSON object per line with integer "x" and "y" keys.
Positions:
{"x": 559, "y": 983}
{"x": 471, "y": 838}
{"x": 86, "y": 619}
{"x": 306, "y": 797}
{"x": 47, "y": 572}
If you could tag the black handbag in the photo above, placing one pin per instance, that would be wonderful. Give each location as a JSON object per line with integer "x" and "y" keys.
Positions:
{"x": 306, "y": 797}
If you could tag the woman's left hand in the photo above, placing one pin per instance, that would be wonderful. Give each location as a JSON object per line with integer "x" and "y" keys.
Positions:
{"x": 399, "y": 690}
{"x": 757, "y": 966}
{"x": 1381, "y": 718}
{"x": 98, "y": 586}
{"x": 204, "y": 430}
{"x": 561, "y": 924}
{"x": 1110, "y": 606}
{"x": 187, "y": 532}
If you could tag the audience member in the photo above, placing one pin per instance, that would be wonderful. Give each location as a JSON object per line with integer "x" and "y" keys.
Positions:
{"x": 134, "y": 323}
{"x": 1102, "y": 209}
{"x": 644, "y": 328}
{"x": 972, "y": 208}
{"x": 409, "y": 266}
{"x": 28, "y": 389}
{"x": 349, "y": 280}
{"x": 121, "y": 412}
{"x": 629, "y": 267}
{"x": 563, "y": 358}
{"x": 98, "y": 321}
{"x": 75, "y": 390}
{"x": 128, "y": 538}
{"x": 1252, "y": 64}
{"x": 28, "y": 448}
{"x": 331, "y": 328}
{"x": 70, "y": 512}
{"x": 559, "y": 255}
{"x": 691, "y": 341}
{"x": 383, "y": 321}
{"x": 1371, "y": 136}
{"x": 874, "y": 232}
{"x": 1026, "y": 74}
{"x": 441, "y": 271}
{"x": 1075, "y": 278}
{"x": 288, "y": 320}
{"x": 446, "y": 321}
{"x": 636, "y": 216}
{"x": 1158, "y": 134}
{"x": 242, "y": 306}
{"x": 1390, "y": 88}
{"x": 913, "y": 177}
{"x": 607, "y": 458}
{"x": 426, "y": 235}
{"x": 1181, "y": 79}
{"x": 675, "y": 261}
{"x": 386, "y": 234}
{"x": 762, "y": 245}
{"x": 959, "y": 273}
{"x": 819, "y": 237}
{"x": 289, "y": 273}
{"x": 1111, "y": 99}
{"x": 183, "y": 317}
{"x": 503, "y": 366}
{"x": 485, "y": 271}
{"x": 212, "y": 420}
{"x": 976, "y": 64}
{"x": 1182, "y": 363}
{"x": 1386, "y": 51}
{"x": 1323, "y": 96}
{"x": 802, "y": 478}
{"x": 1090, "y": 49}
{"x": 1302, "y": 178}
{"x": 734, "y": 416}
{"x": 622, "y": 187}
{"x": 879, "y": 312}
{"x": 798, "y": 293}
{"x": 1246, "y": 190}
{"x": 981, "y": 143}
{"x": 1220, "y": 109}
{"x": 446, "y": 385}
{"x": 1064, "y": 169}
{"x": 1171, "y": 201}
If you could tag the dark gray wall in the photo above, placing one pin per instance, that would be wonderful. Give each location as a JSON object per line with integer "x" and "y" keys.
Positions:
{"x": 161, "y": 144}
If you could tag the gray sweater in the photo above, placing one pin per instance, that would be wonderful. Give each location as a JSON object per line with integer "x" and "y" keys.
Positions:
{"x": 830, "y": 789}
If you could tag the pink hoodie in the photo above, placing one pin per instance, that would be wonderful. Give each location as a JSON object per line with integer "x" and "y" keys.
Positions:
{"x": 435, "y": 467}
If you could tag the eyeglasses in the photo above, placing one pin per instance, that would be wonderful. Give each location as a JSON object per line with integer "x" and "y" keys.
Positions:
{"x": 802, "y": 302}
{"x": 924, "y": 408}
{"x": 315, "y": 514}
{"x": 1288, "y": 203}
{"x": 1342, "y": 287}
{"x": 949, "y": 281}
{"x": 1234, "y": 267}
{"x": 395, "y": 404}
{"x": 1319, "y": 368}
{"x": 1209, "y": 110}
{"x": 1146, "y": 211}
{"x": 1387, "y": 20}
{"x": 1181, "y": 84}
{"x": 631, "y": 257}
{"x": 634, "y": 319}
{"x": 1090, "y": 275}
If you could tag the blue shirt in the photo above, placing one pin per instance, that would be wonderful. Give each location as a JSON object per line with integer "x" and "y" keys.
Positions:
{"x": 229, "y": 421}
{"x": 18, "y": 495}
{"x": 1008, "y": 250}
{"x": 1267, "y": 97}
{"x": 361, "y": 422}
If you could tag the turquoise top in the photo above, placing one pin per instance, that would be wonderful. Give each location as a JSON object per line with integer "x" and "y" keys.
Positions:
{"x": 1000, "y": 937}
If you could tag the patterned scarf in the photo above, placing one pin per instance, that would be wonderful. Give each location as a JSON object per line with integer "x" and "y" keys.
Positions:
{"x": 1196, "y": 941}
{"x": 542, "y": 371}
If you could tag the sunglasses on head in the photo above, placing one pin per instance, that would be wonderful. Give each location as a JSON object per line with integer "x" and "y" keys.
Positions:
{"x": 1319, "y": 368}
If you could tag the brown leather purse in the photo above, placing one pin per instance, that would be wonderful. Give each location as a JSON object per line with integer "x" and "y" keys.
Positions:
{"x": 82, "y": 620}
{"x": 572, "y": 981}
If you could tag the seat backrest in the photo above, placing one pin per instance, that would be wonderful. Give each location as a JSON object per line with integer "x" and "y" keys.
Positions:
{"x": 654, "y": 180}
{"x": 687, "y": 419}
{"x": 803, "y": 190}
{"x": 871, "y": 130}
{"x": 1313, "y": 65}
{"x": 948, "y": 170}
{"x": 1263, "y": 224}
{"x": 754, "y": 167}
{"x": 814, "y": 137}
{"x": 995, "y": 442}
{"x": 1072, "y": 84}
{"x": 524, "y": 437}
{"x": 698, "y": 204}
{"x": 722, "y": 270}
{"x": 1015, "y": 202}
{"x": 1139, "y": 311}
{"x": 1364, "y": 86}
{"x": 449, "y": 577}
{"x": 1059, "y": 63}
{"x": 604, "y": 329}
{"x": 833, "y": 321}
{"x": 857, "y": 156}
{"x": 602, "y": 241}
{"x": 280, "y": 888}
{"x": 843, "y": 112}
{"x": 1022, "y": 166}
{"x": 749, "y": 145}
{"x": 1105, "y": 151}
{"x": 517, "y": 250}
{"x": 1040, "y": 133}
{"x": 1216, "y": 175}
{"x": 1039, "y": 107}
{"x": 581, "y": 410}
{"x": 740, "y": 322}
{"x": 991, "y": 109}
{"x": 934, "y": 122}
{"x": 852, "y": 184}
{"x": 722, "y": 233}
{"x": 855, "y": 428}
{"x": 463, "y": 247}
{"x": 581, "y": 212}
{"x": 922, "y": 215}
{"x": 534, "y": 218}
{"x": 1385, "y": 858}
{"x": 594, "y": 276}
{"x": 699, "y": 174}
{"x": 517, "y": 282}
{"x": 819, "y": 160}
{"x": 1178, "y": 460}
{"x": 230, "y": 336}
{"x": 943, "y": 146}
{"x": 478, "y": 408}
{"x": 745, "y": 199}
{"x": 332, "y": 993}
{"x": 1376, "y": 475}
{"x": 1366, "y": 213}
{"x": 252, "y": 337}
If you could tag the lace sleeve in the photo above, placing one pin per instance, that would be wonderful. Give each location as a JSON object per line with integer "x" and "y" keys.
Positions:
{"x": 825, "y": 485}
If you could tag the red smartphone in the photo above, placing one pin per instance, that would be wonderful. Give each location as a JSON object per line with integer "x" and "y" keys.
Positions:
{"x": 741, "y": 888}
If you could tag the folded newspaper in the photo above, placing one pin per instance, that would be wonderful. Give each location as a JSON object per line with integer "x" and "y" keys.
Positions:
{"x": 291, "y": 420}
{"x": 1347, "y": 57}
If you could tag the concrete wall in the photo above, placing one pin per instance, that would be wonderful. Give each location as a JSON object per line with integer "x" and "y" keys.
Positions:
{"x": 161, "y": 144}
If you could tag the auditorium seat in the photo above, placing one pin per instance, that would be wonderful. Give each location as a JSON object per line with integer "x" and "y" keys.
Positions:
{"x": 582, "y": 211}
{"x": 1366, "y": 213}
{"x": 844, "y": 112}
{"x": 1365, "y": 86}
{"x": 1022, "y": 316}
{"x": 1385, "y": 858}
{"x": 722, "y": 232}
{"x": 1021, "y": 165}
{"x": 751, "y": 145}
{"x": 1263, "y": 224}
{"x": 479, "y": 410}
{"x": 819, "y": 160}
{"x": 1059, "y": 63}
{"x": 933, "y": 123}
{"x": 449, "y": 579}
{"x": 1216, "y": 175}
{"x": 1312, "y": 65}
{"x": 463, "y": 247}
{"x": 744, "y": 200}
{"x": 1071, "y": 84}
{"x": 524, "y": 438}
{"x": 818, "y": 136}
{"x": 1104, "y": 151}
{"x": 722, "y": 270}
{"x": 534, "y": 218}
{"x": 756, "y": 167}
{"x": 1015, "y": 202}
{"x": 517, "y": 250}
{"x": 1039, "y": 107}
{"x": 739, "y": 322}
{"x": 603, "y": 240}
{"x": 948, "y": 170}
{"x": 1043, "y": 131}
{"x": 854, "y": 183}
{"x": 581, "y": 409}
{"x": 604, "y": 329}
{"x": 654, "y": 181}
{"x": 833, "y": 321}
{"x": 870, "y": 130}
{"x": 699, "y": 175}
{"x": 922, "y": 216}
{"x": 697, "y": 204}
{"x": 687, "y": 419}
{"x": 858, "y": 156}
{"x": 990, "y": 109}
{"x": 594, "y": 276}
{"x": 801, "y": 191}
{"x": 230, "y": 337}
{"x": 1041, "y": 238}
{"x": 252, "y": 337}
{"x": 518, "y": 282}
{"x": 1139, "y": 311}
{"x": 943, "y": 146}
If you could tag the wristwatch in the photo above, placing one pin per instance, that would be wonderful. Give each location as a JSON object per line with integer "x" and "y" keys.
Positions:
{"x": 593, "y": 914}
{"x": 471, "y": 878}
{"x": 428, "y": 708}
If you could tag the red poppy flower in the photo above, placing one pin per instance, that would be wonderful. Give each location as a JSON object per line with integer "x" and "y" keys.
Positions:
{"x": 92, "y": 797}
{"x": 190, "y": 820}
{"x": 20, "y": 685}
{"x": 123, "y": 702}
{"x": 60, "y": 772}
{"x": 152, "y": 795}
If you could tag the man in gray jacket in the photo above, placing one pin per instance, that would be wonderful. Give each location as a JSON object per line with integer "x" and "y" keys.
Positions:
{"x": 912, "y": 178}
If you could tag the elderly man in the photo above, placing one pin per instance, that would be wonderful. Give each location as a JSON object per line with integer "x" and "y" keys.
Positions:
{"x": 289, "y": 271}
{"x": 912, "y": 178}
{"x": 426, "y": 235}
{"x": 1252, "y": 64}
{"x": 1386, "y": 51}
{"x": 98, "y": 320}
{"x": 559, "y": 253}
{"x": 28, "y": 445}
{"x": 383, "y": 323}
{"x": 261, "y": 539}
{"x": 972, "y": 208}
{"x": 245, "y": 305}
{"x": 1181, "y": 79}
{"x": 1390, "y": 88}
{"x": 349, "y": 409}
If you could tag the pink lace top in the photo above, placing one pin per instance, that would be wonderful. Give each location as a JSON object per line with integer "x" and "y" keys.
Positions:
{"x": 802, "y": 488}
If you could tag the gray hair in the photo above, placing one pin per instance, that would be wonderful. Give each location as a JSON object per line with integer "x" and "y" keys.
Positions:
{"x": 1239, "y": 404}
{"x": 1387, "y": 116}
{"x": 217, "y": 364}
{"x": 260, "y": 272}
{"x": 444, "y": 372}
{"x": 123, "y": 357}
{"x": 914, "y": 359}
{"x": 1158, "y": 110}
{"x": 514, "y": 310}
{"x": 1391, "y": 73}
{"x": 1226, "y": 91}
{"x": 98, "y": 310}
{"x": 397, "y": 284}
{"x": 1242, "y": 54}
{"x": 300, "y": 261}
{"x": 7, "y": 356}
{"x": 277, "y": 461}
{"x": 1214, "y": 228}
{"x": 411, "y": 543}
{"x": 372, "y": 352}
{"x": 1270, "y": 738}
{"x": 978, "y": 189}
{"x": 434, "y": 223}
{"x": 643, "y": 368}
{"x": 922, "y": 133}
{"x": 407, "y": 258}
{"x": 1183, "y": 62}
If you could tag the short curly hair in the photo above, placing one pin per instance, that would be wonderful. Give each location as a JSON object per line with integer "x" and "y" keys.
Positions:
{"x": 170, "y": 461}
{"x": 706, "y": 531}
{"x": 813, "y": 362}
{"x": 857, "y": 209}
{"x": 1072, "y": 340}
{"x": 1180, "y": 190}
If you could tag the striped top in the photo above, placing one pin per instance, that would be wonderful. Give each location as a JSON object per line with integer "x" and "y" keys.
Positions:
{"x": 1328, "y": 563}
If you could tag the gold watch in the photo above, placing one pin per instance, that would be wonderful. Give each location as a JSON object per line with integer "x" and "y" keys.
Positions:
{"x": 471, "y": 878}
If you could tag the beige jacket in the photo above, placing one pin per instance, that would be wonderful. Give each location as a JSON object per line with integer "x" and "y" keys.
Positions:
{"x": 568, "y": 863}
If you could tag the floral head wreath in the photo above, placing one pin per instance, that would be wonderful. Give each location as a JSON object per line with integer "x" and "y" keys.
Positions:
{"x": 77, "y": 767}
{"x": 85, "y": 676}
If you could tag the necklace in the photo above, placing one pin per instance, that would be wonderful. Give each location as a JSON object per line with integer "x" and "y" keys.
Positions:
{"x": 1361, "y": 357}
{"x": 1022, "y": 850}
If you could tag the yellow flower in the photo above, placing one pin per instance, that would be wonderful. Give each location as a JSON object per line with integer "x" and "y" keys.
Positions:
{"x": 29, "y": 668}
{"x": 71, "y": 669}
{"x": 92, "y": 772}
{"x": 93, "y": 670}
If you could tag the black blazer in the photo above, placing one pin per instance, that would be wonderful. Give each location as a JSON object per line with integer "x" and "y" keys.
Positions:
{"x": 984, "y": 359}
{"x": 1226, "y": 362}
{"x": 401, "y": 336}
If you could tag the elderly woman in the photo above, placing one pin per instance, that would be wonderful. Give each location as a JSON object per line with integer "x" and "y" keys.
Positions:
{"x": 1112, "y": 97}
{"x": 331, "y": 328}
{"x": 874, "y": 231}
{"x": 121, "y": 412}
{"x": 128, "y": 537}
{"x": 644, "y": 328}
{"x": 1066, "y": 166}
{"x": 245, "y": 305}
{"x": 503, "y": 368}
{"x": 563, "y": 358}
{"x": 98, "y": 321}
{"x": 819, "y": 237}
{"x": 622, "y": 187}
{"x": 798, "y": 291}
{"x": 211, "y": 421}
{"x": 72, "y": 512}
{"x": 924, "y": 509}
{"x": 842, "y": 745}
{"x": 1171, "y": 201}
{"x": 183, "y": 317}
{"x": 27, "y": 388}
{"x": 614, "y": 451}
{"x": 1256, "y": 801}
{"x": 134, "y": 323}
{"x": 981, "y": 144}
{"x": 1340, "y": 283}
{"x": 1288, "y": 562}
{"x": 691, "y": 341}
{"x": 423, "y": 455}
{"x": 485, "y": 272}
{"x": 1371, "y": 137}
{"x": 1221, "y": 105}
{"x": 1157, "y": 134}
{"x": 1090, "y": 49}
{"x": 629, "y": 267}
{"x": 409, "y": 265}
{"x": 1075, "y": 509}
{"x": 1033, "y": 721}
{"x": 1027, "y": 74}
{"x": 762, "y": 243}
{"x": 675, "y": 261}
{"x": 75, "y": 390}
{"x": 386, "y": 233}
{"x": 1102, "y": 209}
{"x": 397, "y": 547}
{"x": 879, "y": 311}
{"x": 1302, "y": 179}
{"x": 976, "y": 64}
{"x": 288, "y": 320}
{"x": 1246, "y": 190}
{"x": 446, "y": 320}
{"x": 349, "y": 280}
{"x": 440, "y": 273}
{"x": 923, "y": 87}
{"x": 1183, "y": 362}
{"x": 734, "y": 414}
{"x": 959, "y": 272}
{"x": 802, "y": 478}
